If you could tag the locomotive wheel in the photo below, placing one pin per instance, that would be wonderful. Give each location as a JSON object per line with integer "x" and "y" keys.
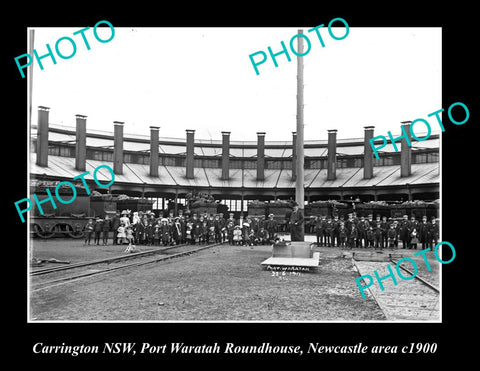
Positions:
{"x": 76, "y": 231}
{"x": 76, "y": 234}
{"x": 65, "y": 229}
{"x": 42, "y": 234}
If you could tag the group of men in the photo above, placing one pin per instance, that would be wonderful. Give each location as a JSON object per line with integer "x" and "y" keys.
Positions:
{"x": 215, "y": 229}
{"x": 144, "y": 228}
{"x": 383, "y": 232}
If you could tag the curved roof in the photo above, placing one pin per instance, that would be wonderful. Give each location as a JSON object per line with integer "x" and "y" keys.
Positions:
{"x": 273, "y": 149}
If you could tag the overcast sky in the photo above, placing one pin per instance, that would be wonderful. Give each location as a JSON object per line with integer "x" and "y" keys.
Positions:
{"x": 202, "y": 79}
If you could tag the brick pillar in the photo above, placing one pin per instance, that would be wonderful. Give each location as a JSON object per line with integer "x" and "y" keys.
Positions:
{"x": 260, "y": 156}
{"x": 332, "y": 155}
{"x": 118, "y": 147}
{"x": 225, "y": 155}
{"x": 154, "y": 161}
{"x": 81, "y": 143}
{"x": 368, "y": 153}
{"x": 190, "y": 153}
{"x": 406, "y": 152}
{"x": 42, "y": 136}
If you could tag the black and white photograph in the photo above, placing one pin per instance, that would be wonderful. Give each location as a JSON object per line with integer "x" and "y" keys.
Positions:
{"x": 292, "y": 190}
{"x": 219, "y": 188}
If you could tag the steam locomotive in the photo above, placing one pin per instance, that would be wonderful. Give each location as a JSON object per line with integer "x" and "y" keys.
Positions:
{"x": 69, "y": 220}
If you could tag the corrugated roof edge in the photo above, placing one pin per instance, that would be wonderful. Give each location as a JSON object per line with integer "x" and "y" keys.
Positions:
{"x": 209, "y": 142}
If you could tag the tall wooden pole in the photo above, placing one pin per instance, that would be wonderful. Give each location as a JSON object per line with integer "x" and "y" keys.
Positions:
{"x": 299, "y": 191}
{"x": 299, "y": 180}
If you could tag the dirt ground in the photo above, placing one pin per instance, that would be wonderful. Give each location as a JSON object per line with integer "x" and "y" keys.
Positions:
{"x": 75, "y": 251}
{"x": 223, "y": 283}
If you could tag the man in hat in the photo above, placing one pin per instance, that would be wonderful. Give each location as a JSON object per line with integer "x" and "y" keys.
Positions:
{"x": 328, "y": 229}
{"x": 434, "y": 232}
{"x": 98, "y": 227}
{"x": 183, "y": 228}
{"x": 231, "y": 219}
{"x": 370, "y": 221}
{"x": 319, "y": 230}
{"x": 271, "y": 226}
{"x": 217, "y": 229}
{"x": 424, "y": 231}
{"x": 405, "y": 232}
{"x": 140, "y": 230}
{"x": 349, "y": 222}
{"x": 362, "y": 228}
{"x": 335, "y": 231}
{"x": 106, "y": 229}
{"x": 296, "y": 224}
{"x": 384, "y": 226}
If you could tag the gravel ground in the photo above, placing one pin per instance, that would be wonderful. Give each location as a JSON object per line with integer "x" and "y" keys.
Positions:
{"x": 432, "y": 276}
{"x": 74, "y": 250}
{"x": 220, "y": 284}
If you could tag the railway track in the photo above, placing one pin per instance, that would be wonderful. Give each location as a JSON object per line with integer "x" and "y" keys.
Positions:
{"x": 413, "y": 300}
{"x": 123, "y": 257}
{"x": 46, "y": 278}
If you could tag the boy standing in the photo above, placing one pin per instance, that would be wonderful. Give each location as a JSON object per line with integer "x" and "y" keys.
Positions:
{"x": 105, "y": 230}
{"x": 88, "y": 231}
{"x": 97, "y": 228}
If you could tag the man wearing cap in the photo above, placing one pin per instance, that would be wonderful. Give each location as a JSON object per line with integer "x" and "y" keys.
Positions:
{"x": 349, "y": 222}
{"x": 271, "y": 227}
{"x": 362, "y": 228}
{"x": 319, "y": 229}
{"x": 97, "y": 228}
{"x": 328, "y": 227}
{"x": 335, "y": 231}
{"x": 217, "y": 228}
{"x": 434, "y": 232}
{"x": 296, "y": 224}
{"x": 106, "y": 229}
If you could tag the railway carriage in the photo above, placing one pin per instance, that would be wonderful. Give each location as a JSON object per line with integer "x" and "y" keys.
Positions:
{"x": 328, "y": 208}
{"x": 374, "y": 208}
{"x": 415, "y": 208}
{"x": 257, "y": 209}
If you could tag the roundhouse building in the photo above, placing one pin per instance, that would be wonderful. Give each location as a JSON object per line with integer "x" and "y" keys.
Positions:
{"x": 234, "y": 172}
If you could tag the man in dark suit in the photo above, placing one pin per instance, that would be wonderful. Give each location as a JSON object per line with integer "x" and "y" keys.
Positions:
{"x": 424, "y": 230}
{"x": 296, "y": 224}
{"x": 405, "y": 232}
{"x": 271, "y": 226}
